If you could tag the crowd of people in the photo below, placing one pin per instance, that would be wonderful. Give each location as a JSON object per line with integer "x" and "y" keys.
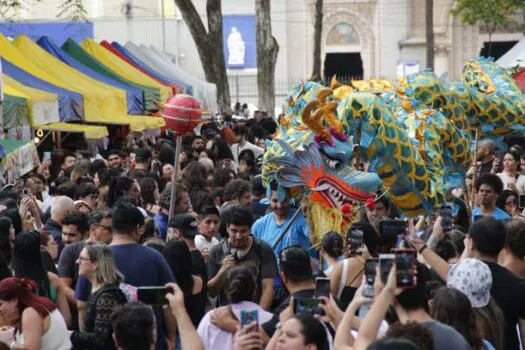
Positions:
{"x": 91, "y": 259}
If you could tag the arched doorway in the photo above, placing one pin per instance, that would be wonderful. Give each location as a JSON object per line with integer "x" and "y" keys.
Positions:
{"x": 343, "y": 54}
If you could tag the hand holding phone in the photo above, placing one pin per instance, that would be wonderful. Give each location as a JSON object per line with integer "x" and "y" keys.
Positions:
{"x": 446, "y": 218}
{"x": 307, "y": 305}
{"x": 385, "y": 265}
{"x": 406, "y": 268}
{"x": 248, "y": 317}
{"x": 152, "y": 295}
{"x": 370, "y": 277}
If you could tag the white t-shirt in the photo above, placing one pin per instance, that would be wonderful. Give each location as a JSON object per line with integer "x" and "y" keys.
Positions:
{"x": 520, "y": 182}
{"x": 236, "y": 150}
{"x": 202, "y": 243}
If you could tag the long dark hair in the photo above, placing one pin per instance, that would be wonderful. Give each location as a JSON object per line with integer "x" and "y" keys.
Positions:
{"x": 312, "y": 330}
{"x": 178, "y": 256}
{"x": 147, "y": 191}
{"x": 453, "y": 308}
{"x": 27, "y": 262}
{"x": 502, "y": 199}
{"x": 117, "y": 188}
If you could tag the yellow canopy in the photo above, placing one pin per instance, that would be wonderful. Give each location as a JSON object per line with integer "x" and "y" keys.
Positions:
{"x": 102, "y": 102}
{"x": 140, "y": 122}
{"x": 42, "y": 105}
{"x": 122, "y": 68}
{"x": 90, "y": 131}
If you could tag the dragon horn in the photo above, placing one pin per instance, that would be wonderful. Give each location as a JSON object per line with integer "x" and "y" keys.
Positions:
{"x": 334, "y": 83}
{"x": 314, "y": 122}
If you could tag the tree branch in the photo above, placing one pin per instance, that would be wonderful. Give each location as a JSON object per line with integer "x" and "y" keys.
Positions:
{"x": 192, "y": 19}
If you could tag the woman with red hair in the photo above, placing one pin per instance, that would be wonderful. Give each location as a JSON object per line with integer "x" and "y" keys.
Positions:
{"x": 38, "y": 323}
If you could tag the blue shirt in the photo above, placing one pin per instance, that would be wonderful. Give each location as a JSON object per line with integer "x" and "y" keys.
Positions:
{"x": 142, "y": 267}
{"x": 498, "y": 214}
{"x": 266, "y": 229}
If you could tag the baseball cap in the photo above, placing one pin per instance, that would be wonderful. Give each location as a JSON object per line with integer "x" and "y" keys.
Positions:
{"x": 473, "y": 278}
{"x": 142, "y": 154}
{"x": 186, "y": 224}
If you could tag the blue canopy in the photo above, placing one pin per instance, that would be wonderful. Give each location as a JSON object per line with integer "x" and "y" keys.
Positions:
{"x": 187, "y": 88}
{"x": 70, "y": 104}
{"x": 134, "y": 96}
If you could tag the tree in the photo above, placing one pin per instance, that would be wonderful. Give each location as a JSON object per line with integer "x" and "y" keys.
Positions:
{"x": 70, "y": 9}
{"x": 209, "y": 45}
{"x": 490, "y": 14}
{"x": 267, "y": 51}
{"x": 429, "y": 23}
{"x": 318, "y": 29}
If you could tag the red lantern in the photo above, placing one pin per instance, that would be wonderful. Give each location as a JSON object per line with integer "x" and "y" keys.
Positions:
{"x": 182, "y": 113}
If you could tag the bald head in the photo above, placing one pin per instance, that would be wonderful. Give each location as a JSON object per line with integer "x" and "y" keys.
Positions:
{"x": 486, "y": 149}
{"x": 62, "y": 205}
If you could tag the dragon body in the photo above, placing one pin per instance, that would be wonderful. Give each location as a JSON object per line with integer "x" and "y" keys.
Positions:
{"x": 415, "y": 138}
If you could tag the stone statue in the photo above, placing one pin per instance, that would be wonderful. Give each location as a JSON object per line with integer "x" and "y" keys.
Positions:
{"x": 236, "y": 48}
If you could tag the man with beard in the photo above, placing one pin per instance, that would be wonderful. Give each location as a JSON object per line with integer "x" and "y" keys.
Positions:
{"x": 269, "y": 227}
{"x": 197, "y": 146}
{"x": 114, "y": 159}
{"x": 241, "y": 248}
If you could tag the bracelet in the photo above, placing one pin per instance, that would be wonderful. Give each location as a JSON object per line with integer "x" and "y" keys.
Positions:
{"x": 422, "y": 248}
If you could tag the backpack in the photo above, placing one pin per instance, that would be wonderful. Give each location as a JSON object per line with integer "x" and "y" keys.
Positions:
{"x": 129, "y": 291}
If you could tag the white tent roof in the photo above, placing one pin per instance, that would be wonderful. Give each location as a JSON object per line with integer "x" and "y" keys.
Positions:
{"x": 514, "y": 57}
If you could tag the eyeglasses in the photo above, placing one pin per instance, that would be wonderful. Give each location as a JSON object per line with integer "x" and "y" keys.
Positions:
{"x": 81, "y": 258}
{"x": 107, "y": 228}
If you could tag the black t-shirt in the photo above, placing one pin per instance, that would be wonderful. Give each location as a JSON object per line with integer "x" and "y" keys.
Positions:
{"x": 509, "y": 292}
{"x": 196, "y": 304}
{"x": 269, "y": 327}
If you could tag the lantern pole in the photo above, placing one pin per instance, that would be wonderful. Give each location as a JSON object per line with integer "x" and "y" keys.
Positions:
{"x": 175, "y": 176}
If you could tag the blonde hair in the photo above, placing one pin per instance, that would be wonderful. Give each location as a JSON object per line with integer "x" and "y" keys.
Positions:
{"x": 106, "y": 272}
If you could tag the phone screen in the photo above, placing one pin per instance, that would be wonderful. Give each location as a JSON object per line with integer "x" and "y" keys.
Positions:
{"x": 248, "y": 317}
{"x": 446, "y": 217}
{"x": 47, "y": 156}
{"x": 370, "y": 271}
{"x": 406, "y": 268}
{"x": 393, "y": 227}
{"x": 385, "y": 265}
{"x": 355, "y": 238}
{"x": 307, "y": 305}
{"x": 152, "y": 295}
{"x": 322, "y": 287}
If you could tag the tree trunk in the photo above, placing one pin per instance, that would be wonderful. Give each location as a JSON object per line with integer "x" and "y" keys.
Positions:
{"x": 267, "y": 50}
{"x": 209, "y": 46}
{"x": 429, "y": 22}
{"x": 318, "y": 29}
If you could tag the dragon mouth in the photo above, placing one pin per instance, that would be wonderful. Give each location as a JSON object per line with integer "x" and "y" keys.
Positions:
{"x": 336, "y": 195}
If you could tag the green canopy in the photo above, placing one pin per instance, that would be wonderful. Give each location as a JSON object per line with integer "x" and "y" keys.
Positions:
{"x": 15, "y": 111}
{"x": 77, "y": 52}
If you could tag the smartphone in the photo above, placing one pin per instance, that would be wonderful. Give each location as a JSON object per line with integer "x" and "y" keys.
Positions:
{"x": 355, "y": 238}
{"x": 152, "y": 295}
{"x": 322, "y": 287}
{"x": 248, "y": 317}
{"x": 406, "y": 268}
{"x": 307, "y": 305}
{"x": 370, "y": 277}
{"x": 446, "y": 217}
{"x": 393, "y": 227}
{"x": 26, "y": 192}
{"x": 47, "y": 156}
{"x": 385, "y": 265}
{"x": 521, "y": 202}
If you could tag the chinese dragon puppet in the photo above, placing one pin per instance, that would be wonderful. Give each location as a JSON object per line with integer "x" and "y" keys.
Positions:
{"x": 415, "y": 138}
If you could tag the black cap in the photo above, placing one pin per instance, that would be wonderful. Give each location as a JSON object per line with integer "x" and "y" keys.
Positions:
{"x": 142, "y": 155}
{"x": 186, "y": 224}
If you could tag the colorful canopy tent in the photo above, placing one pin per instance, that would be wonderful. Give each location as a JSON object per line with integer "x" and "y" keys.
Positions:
{"x": 134, "y": 97}
{"x": 514, "y": 57}
{"x": 124, "y": 69}
{"x": 42, "y": 106}
{"x": 151, "y": 71}
{"x": 70, "y": 104}
{"x": 91, "y": 132}
{"x": 15, "y": 109}
{"x": 520, "y": 79}
{"x": 150, "y": 95}
{"x": 20, "y": 158}
{"x": 203, "y": 91}
{"x": 102, "y": 103}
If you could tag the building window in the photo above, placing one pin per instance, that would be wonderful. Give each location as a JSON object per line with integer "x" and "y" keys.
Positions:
{"x": 342, "y": 34}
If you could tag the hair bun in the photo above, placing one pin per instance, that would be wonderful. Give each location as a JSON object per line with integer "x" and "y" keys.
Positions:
{"x": 28, "y": 284}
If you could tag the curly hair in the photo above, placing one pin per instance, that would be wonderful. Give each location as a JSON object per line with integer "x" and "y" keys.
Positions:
{"x": 515, "y": 238}
{"x": 148, "y": 186}
{"x": 235, "y": 189}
